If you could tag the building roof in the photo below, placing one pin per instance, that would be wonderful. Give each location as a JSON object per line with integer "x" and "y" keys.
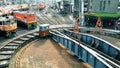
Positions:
{"x": 24, "y": 12}
{"x": 44, "y": 25}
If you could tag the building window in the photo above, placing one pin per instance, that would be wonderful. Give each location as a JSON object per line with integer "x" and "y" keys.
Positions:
{"x": 109, "y": 2}
{"x": 100, "y": 5}
{"x": 104, "y": 3}
{"x": 91, "y": 0}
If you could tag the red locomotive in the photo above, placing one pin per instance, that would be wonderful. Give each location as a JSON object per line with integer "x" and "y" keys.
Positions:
{"x": 44, "y": 30}
{"x": 25, "y": 18}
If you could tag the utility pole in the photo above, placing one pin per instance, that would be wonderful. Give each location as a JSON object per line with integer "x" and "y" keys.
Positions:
{"x": 82, "y": 9}
{"x": 82, "y": 12}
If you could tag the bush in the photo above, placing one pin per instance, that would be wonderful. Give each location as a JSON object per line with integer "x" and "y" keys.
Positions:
{"x": 108, "y": 19}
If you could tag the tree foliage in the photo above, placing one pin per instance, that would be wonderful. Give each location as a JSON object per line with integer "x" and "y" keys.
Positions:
{"x": 108, "y": 19}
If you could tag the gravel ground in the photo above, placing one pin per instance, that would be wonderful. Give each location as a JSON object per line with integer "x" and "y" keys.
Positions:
{"x": 112, "y": 40}
{"x": 45, "y": 53}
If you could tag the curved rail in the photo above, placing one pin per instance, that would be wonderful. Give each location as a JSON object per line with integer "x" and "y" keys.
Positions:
{"x": 11, "y": 48}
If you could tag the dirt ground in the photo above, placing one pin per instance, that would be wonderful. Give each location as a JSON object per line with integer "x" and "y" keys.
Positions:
{"x": 46, "y": 53}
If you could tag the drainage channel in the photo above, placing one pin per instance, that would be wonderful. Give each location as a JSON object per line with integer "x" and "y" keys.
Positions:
{"x": 13, "y": 46}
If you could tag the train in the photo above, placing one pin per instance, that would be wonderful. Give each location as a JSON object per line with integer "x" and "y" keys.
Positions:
{"x": 44, "y": 30}
{"x": 41, "y": 6}
{"x": 8, "y": 26}
{"x": 26, "y": 19}
{"x": 15, "y": 7}
{"x": 4, "y": 11}
{"x": 24, "y": 7}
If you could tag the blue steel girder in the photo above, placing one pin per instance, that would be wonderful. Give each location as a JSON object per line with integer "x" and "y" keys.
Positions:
{"x": 88, "y": 55}
{"x": 99, "y": 44}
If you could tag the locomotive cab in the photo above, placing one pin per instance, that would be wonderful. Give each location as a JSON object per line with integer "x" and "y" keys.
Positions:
{"x": 44, "y": 30}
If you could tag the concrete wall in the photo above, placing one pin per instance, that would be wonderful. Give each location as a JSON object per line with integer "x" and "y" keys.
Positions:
{"x": 77, "y": 8}
{"x": 105, "y": 6}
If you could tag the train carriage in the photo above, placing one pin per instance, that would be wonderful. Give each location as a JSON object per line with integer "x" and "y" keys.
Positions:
{"x": 4, "y": 11}
{"x": 8, "y": 26}
{"x": 25, "y": 19}
{"x": 24, "y": 7}
{"x": 41, "y": 6}
{"x": 44, "y": 30}
{"x": 15, "y": 7}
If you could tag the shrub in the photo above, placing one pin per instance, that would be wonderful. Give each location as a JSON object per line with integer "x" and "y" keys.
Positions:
{"x": 108, "y": 19}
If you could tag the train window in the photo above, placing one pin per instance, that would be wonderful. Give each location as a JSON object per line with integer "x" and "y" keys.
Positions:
{"x": 47, "y": 28}
{"x": 7, "y": 22}
{"x": 44, "y": 27}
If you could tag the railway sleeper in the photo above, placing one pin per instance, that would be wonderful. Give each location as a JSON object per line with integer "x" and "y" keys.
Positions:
{"x": 7, "y": 49}
{"x": 6, "y": 52}
{"x": 24, "y": 39}
{"x": 36, "y": 34}
{"x": 4, "y": 64}
{"x": 19, "y": 42}
{"x": 19, "y": 39}
{"x": 4, "y": 57}
{"x": 11, "y": 47}
{"x": 30, "y": 36}
{"x": 13, "y": 44}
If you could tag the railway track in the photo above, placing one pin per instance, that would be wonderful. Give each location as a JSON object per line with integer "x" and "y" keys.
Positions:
{"x": 57, "y": 20}
{"x": 10, "y": 49}
{"x": 49, "y": 20}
